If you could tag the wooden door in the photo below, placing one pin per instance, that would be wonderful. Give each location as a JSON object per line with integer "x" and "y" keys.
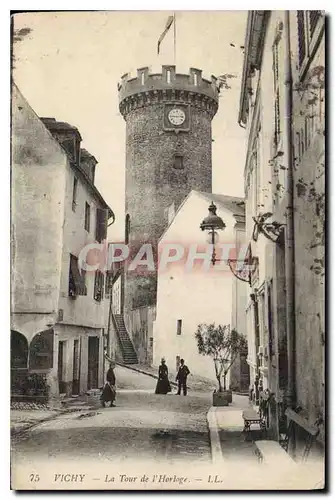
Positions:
{"x": 93, "y": 362}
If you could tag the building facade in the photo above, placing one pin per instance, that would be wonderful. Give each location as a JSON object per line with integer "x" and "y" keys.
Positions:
{"x": 168, "y": 153}
{"x": 58, "y": 311}
{"x": 282, "y": 109}
{"x": 192, "y": 291}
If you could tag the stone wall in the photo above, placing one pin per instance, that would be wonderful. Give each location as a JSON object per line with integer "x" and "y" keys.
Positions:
{"x": 139, "y": 323}
{"x": 309, "y": 228}
{"x": 154, "y": 178}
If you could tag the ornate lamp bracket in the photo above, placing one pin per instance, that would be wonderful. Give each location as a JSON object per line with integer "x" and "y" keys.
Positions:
{"x": 241, "y": 274}
{"x": 271, "y": 230}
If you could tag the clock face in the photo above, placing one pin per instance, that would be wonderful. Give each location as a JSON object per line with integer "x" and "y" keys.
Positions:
{"x": 176, "y": 116}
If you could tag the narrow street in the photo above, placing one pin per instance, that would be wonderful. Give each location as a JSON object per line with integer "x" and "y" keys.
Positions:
{"x": 154, "y": 427}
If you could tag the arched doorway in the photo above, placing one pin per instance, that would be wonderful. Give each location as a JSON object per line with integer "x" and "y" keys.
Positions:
{"x": 18, "y": 362}
{"x": 18, "y": 351}
{"x": 41, "y": 351}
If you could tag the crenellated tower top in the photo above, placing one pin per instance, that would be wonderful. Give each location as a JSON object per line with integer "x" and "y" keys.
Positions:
{"x": 149, "y": 88}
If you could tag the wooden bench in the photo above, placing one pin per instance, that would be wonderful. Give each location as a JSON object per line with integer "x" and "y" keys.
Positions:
{"x": 251, "y": 417}
{"x": 296, "y": 417}
{"x": 272, "y": 453}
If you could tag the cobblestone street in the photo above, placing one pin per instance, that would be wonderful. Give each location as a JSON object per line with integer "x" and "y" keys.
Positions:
{"x": 157, "y": 427}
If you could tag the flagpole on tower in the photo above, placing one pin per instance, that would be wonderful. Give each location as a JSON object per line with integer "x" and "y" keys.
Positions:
{"x": 170, "y": 21}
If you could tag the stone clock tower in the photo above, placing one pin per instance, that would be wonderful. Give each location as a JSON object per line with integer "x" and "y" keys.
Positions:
{"x": 168, "y": 153}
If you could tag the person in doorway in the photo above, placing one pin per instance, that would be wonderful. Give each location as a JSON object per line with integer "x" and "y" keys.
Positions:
{"x": 181, "y": 377}
{"x": 109, "y": 392}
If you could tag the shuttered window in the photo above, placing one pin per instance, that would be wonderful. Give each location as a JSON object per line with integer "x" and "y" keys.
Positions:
{"x": 314, "y": 16}
{"x": 307, "y": 24}
{"x": 87, "y": 217}
{"x": 101, "y": 224}
{"x": 77, "y": 278}
{"x": 74, "y": 193}
{"x": 98, "y": 286}
{"x": 108, "y": 283}
{"x": 301, "y": 36}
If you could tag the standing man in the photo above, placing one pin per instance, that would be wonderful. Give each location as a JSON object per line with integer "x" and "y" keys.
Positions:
{"x": 182, "y": 377}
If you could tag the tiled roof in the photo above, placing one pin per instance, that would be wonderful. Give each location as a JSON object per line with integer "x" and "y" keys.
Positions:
{"x": 232, "y": 203}
{"x": 53, "y": 124}
{"x": 85, "y": 154}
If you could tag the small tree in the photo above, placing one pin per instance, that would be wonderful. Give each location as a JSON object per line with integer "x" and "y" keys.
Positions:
{"x": 223, "y": 345}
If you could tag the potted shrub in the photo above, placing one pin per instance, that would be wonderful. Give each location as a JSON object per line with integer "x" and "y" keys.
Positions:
{"x": 223, "y": 345}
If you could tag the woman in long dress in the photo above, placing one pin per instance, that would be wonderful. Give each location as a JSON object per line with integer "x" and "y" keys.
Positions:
{"x": 109, "y": 392}
{"x": 163, "y": 384}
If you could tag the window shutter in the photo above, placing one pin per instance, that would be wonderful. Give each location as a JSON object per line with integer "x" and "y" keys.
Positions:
{"x": 101, "y": 224}
{"x": 76, "y": 279}
{"x": 98, "y": 286}
{"x": 301, "y": 36}
{"x": 314, "y": 16}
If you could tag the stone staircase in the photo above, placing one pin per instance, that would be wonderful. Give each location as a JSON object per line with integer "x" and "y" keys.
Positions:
{"x": 127, "y": 348}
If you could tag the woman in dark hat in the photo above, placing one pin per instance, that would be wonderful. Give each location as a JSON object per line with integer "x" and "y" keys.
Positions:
{"x": 109, "y": 392}
{"x": 163, "y": 384}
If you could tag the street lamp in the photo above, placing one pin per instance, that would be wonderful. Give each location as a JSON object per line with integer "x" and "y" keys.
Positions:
{"x": 213, "y": 222}
{"x": 210, "y": 224}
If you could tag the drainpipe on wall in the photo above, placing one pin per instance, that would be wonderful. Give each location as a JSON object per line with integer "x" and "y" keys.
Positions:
{"x": 112, "y": 354}
{"x": 256, "y": 320}
{"x": 289, "y": 230}
{"x": 110, "y": 299}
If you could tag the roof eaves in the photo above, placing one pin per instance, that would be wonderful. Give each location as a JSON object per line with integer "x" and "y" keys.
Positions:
{"x": 255, "y": 32}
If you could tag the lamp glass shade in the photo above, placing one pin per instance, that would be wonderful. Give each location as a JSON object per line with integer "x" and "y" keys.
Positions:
{"x": 213, "y": 235}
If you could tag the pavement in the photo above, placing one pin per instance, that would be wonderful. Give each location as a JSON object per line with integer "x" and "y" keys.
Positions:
{"x": 194, "y": 382}
{"x": 22, "y": 420}
{"x": 230, "y": 449}
{"x": 227, "y": 437}
{"x": 164, "y": 428}
{"x": 145, "y": 428}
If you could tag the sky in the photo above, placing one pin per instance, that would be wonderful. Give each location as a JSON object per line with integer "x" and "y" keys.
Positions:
{"x": 68, "y": 68}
